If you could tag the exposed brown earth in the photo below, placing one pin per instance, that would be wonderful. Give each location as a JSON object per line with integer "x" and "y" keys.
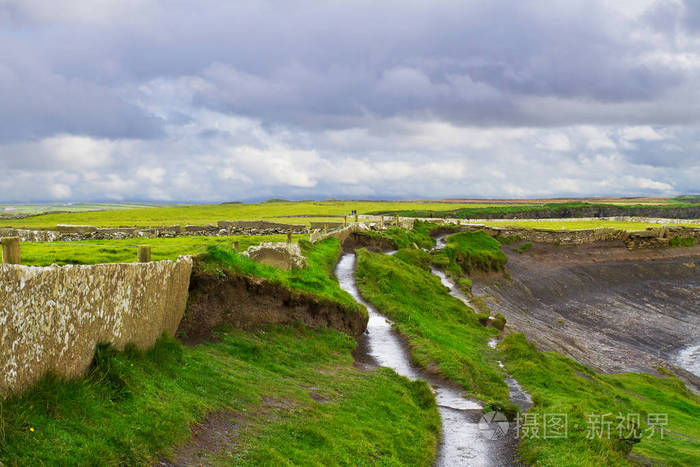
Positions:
{"x": 608, "y": 307}
{"x": 218, "y": 434}
{"x": 358, "y": 240}
{"x": 250, "y": 302}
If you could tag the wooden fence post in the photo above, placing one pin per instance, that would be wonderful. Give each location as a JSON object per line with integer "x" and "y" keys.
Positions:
{"x": 381, "y": 222}
{"x": 11, "y": 253}
{"x": 144, "y": 253}
{"x": 237, "y": 246}
{"x": 356, "y": 218}
{"x": 397, "y": 221}
{"x": 345, "y": 221}
{"x": 289, "y": 236}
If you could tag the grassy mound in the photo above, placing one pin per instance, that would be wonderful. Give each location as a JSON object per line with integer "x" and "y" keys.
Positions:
{"x": 467, "y": 252}
{"x": 290, "y": 396}
{"x": 559, "y": 385}
{"x": 417, "y": 237}
{"x": 442, "y": 331}
{"x": 418, "y": 258}
{"x": 316, "y": 278}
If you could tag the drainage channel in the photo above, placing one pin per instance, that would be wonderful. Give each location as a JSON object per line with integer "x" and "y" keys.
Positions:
{"x": 468, "y": 438}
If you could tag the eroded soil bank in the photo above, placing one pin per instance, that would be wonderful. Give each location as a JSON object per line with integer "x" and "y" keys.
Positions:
{"x": 250, "y": 302}
{"x": 605, "y": 306}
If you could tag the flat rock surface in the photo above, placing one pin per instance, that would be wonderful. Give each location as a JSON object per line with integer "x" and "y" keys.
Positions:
{"x": 605, "y": 306}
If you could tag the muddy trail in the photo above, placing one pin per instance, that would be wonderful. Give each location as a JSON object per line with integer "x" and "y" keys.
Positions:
{"x": 605, "y": 306}
{"x": 466, "y": 435}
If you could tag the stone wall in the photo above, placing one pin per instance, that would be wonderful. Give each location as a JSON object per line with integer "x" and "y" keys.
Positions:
{"x": 341, "y": 234}
{"x": 67, "y": 233}
{"x": 329, "y": 225}
{"x": 51, "y": 318}
{"x": 650, "y": 238}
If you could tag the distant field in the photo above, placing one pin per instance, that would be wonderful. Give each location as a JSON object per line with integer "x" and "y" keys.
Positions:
{"x": 124, "y": 251}
{"x": 574, "y": 224}
{"x": 211, "y": 213}
{"x": 22, "y": 209}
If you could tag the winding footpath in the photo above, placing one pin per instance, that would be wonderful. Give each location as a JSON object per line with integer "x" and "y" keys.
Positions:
{"x": 466, "y": 434}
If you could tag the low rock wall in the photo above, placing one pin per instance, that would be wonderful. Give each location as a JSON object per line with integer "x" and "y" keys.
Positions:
{"x": 51, "y": 318}
{"x": 67, "y": 233}
{"x": 650, "y": 238}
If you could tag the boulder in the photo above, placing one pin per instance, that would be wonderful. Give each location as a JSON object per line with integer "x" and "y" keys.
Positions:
{"x": 278, "y": 254}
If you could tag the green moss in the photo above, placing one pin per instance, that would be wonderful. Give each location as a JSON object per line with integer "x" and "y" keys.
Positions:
{"x": 507, "y": 240}
{"x": 465, "y": 285}
{"x": 524, "y": 247}
{"x": 681, "y": 242}
{"x": 483, "y": 318}
{"x": 499, "y": 321}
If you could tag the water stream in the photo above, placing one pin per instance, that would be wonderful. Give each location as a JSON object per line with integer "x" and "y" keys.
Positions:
{"x": 467, "y": 438}
{"x": 689, "y": 359}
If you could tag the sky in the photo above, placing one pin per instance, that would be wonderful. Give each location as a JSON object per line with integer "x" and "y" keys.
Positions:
{"x": 208, "y": 101}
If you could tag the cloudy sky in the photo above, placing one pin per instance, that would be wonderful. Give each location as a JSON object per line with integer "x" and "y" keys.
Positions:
{"x": 178, "y": 100}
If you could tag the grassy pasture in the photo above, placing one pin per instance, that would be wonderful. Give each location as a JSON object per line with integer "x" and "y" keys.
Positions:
{"x": 576, "y": 224}
{"x": 18, "y": 209}
{"x": 124, "y": 251}
{"x": 211, "y": 213}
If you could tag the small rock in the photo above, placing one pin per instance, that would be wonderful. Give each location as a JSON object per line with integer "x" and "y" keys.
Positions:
{"x": 278, "y": 254}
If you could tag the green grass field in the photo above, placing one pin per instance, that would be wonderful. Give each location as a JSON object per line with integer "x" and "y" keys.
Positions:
{"x": 211, "y": 213}
{"x": 563, "y": 209}
{"x": 124, "y": 251}
{"x": 292, "y": 397}
{"x": 20, "y": 209}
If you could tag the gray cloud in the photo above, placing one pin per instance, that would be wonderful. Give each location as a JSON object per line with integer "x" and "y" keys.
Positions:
{"x": 146, "y": 99}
